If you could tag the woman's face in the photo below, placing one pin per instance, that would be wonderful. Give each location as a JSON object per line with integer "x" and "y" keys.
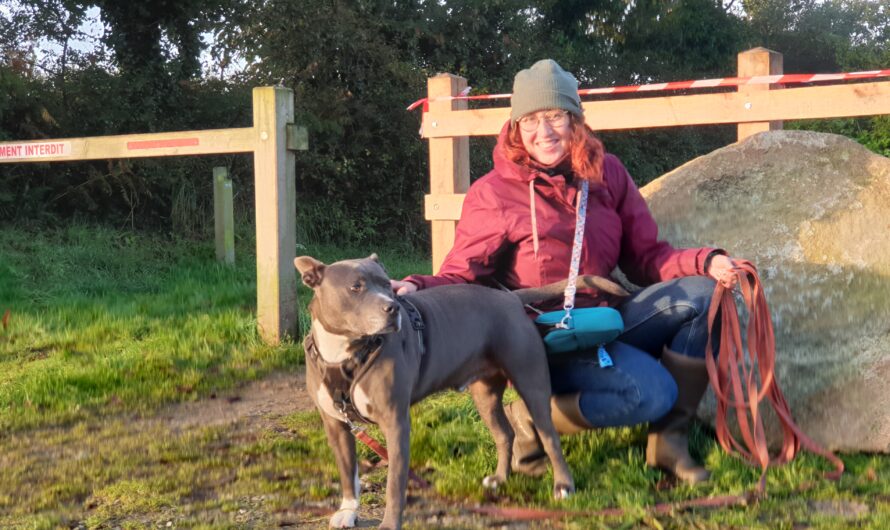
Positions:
{"x": 545, "y": 135}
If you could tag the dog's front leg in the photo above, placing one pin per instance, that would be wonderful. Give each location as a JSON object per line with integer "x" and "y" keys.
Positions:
{"x": 342, "y": 442}
{"x": 397, "y": 432}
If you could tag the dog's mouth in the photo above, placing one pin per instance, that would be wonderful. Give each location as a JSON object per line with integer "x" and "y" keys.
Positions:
{"x": 392, "y": 325}
{"x": 382, "y": 325}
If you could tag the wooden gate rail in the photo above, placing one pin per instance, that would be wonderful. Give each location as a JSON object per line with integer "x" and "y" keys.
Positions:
{"x": 272, "y": 140}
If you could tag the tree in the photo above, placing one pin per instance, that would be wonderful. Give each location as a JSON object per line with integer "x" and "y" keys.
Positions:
{"x": 825, "y": 37}
{"x": 822, "y": 36}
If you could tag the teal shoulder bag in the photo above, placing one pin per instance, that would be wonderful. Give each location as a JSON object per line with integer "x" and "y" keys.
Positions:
{"x": 573, "y": 333}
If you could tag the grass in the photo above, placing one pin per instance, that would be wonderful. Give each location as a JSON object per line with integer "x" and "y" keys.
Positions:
{"x": 102, "y": 320}
{"x": 108, "y": 329}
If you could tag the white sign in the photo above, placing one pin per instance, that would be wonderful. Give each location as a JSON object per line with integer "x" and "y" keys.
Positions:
{"x": 34, "y": 150}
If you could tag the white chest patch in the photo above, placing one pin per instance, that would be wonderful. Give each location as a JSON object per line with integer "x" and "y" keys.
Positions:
{"x": 326, "y": 403}
{"x": 331, "y": 347}
{"x": 362, "y": 402}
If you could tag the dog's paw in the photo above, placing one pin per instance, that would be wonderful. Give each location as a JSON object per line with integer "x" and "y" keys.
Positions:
{"x": 344, "y": 518}
{"x": 493, "y": 482}
{"x": 563, "y": 491}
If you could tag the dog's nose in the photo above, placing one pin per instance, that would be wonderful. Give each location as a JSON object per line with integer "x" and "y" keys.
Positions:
{"x": 390, "y": 308}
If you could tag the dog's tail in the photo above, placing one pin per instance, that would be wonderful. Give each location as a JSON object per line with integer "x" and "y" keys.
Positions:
{"x": 554, "y": 290}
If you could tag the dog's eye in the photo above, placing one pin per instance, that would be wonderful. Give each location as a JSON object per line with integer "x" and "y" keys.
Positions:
{"x": 356, "y": 287}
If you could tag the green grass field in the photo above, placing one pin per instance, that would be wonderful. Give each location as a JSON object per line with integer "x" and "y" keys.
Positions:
{"x": 109, "y": 331}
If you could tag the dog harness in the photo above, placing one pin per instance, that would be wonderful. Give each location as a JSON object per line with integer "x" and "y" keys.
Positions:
{"x": 340, "y": 378}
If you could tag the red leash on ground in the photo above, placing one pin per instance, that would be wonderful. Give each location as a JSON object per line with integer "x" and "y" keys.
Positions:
{"x": 735, "y": 382}
{"x": 378, "y": 448}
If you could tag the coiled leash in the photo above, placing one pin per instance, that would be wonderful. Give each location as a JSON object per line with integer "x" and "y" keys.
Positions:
{"x": 734, "y": 378}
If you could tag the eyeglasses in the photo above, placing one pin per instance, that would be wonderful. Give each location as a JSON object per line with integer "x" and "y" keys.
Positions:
{"x": 554, "y": 118}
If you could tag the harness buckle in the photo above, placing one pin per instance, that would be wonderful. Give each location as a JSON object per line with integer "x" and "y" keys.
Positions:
{"x": 566, "y": 322}
{"x": 353, "y": 427}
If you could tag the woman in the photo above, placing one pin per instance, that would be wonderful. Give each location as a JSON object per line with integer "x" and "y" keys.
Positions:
{"x": 517, "y": 228}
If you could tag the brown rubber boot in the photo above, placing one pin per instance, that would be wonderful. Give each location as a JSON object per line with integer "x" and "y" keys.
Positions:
{"x": 529, "y": 457}
{"x": 668, "y": 443}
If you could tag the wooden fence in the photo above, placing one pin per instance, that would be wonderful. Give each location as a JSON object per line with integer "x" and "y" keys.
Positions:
{"x": 272, "y": 140}
{"x": 755, "y": 108}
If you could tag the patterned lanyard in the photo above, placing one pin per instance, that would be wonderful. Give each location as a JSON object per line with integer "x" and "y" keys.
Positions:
{"x": 569, "y": 300}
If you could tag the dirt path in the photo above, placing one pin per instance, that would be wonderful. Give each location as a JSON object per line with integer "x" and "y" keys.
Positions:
{"x": 259, "y": 402}
{"x": 257, "y": 405}
{"x": 244, "y": 413}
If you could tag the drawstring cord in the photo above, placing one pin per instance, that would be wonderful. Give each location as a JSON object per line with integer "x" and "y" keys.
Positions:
{"x": 531, "y": 202}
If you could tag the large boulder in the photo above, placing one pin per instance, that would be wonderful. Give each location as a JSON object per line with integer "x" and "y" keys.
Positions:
{"x": 812, "y": 211}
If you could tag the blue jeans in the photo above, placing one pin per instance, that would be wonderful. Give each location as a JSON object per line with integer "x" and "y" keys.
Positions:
{"x": 637, "y": 388}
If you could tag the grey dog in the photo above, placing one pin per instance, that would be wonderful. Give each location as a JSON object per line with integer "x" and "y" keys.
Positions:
{"x": 365, "y": 363}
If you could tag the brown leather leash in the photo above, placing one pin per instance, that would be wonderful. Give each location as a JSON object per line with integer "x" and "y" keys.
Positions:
{"x": 735, "y": 382}
{"x": 536, "y": 514}
{"x": 378, "y": 448}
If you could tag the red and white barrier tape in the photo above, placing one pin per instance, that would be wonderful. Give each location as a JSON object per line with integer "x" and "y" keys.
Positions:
{"x": 680, "y": 85}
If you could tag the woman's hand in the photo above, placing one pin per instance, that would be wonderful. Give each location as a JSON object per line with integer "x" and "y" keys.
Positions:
{"x": 722, "y": 269}
{"x": 399, "y": 287}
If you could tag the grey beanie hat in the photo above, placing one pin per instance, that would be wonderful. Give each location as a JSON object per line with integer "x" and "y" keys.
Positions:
{"x": 544, "y": 86}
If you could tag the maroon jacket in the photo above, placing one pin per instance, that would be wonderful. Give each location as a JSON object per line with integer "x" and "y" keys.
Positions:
{"x": 494, "y": 237}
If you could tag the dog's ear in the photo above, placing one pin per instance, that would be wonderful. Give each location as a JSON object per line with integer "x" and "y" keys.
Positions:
{"x": 376, "y": 259}
{"x": 311, "y": 270}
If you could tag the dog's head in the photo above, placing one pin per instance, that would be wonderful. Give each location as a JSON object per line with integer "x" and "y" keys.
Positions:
{"x": 352, "y": 298}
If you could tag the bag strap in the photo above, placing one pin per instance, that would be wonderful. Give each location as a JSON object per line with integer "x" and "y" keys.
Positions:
{"x": 569, "y": 299}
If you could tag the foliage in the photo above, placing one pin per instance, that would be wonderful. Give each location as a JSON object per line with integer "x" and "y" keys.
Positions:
{"x": 873, "y": 133}
{"x": 676, "y": 40}
{"x": 150, "y": 87}
{"x": 135, "y": 193}
{"x": 828, "y": 36}
{"x": 342, "y": 59}
{"x": 817, "y": 36}
{"x": 354, "y": 66}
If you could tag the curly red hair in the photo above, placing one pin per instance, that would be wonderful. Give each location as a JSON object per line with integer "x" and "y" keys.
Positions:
{"x": 585, "y": 150}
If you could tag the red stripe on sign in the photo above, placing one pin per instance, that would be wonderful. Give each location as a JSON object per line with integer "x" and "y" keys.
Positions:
{"x": 157, "y": 144}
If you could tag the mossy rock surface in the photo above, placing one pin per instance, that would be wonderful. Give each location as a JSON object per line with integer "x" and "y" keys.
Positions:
{"x": 812, "y": 211}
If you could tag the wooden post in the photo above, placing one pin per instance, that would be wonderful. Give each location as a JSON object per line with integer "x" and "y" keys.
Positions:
{"x": 755, "y": 62}
{"x": 223, "y": 216}
{"x": 274, "y": 178}
{"x": 449, "y": 161}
